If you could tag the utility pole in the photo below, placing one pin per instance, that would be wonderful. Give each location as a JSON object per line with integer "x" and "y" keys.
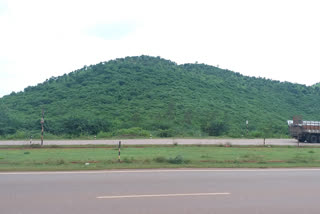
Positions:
{"x": 42, "y": 128}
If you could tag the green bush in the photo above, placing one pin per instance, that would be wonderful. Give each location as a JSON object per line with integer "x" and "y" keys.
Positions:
{"x": 215, "y": 128}
{"x": 256, "y": 134}
{"x": 166, "y": 133}
{"x": 19, "y": 135}
{"x": 178, "y": 160}
{"x": 132, "y": 132}
{"x": 104, "y": 135}
{"x": 60, "y": 162}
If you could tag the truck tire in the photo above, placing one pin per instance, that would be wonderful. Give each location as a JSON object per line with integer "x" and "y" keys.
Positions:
{"x": 313, "y": 139}
{"x": 302, "y": 139}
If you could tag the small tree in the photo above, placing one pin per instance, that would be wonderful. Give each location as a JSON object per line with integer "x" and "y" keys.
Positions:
{"x": 215, "y": 128}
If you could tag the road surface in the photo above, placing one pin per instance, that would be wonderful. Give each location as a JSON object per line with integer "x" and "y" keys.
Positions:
{"x": 201, "y": 191}
{"x": 285, "y": 142}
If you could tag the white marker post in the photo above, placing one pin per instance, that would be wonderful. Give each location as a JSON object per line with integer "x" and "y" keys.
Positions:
{"x": 247, "y": 123}
{"x": 119, "y": 151}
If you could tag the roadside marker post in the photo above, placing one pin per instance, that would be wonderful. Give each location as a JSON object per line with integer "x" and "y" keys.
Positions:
{"x": 247, "y": 123}
{"x": 119, "y": 151}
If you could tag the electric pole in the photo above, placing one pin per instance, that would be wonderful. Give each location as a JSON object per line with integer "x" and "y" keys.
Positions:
{"x": 42, "y": 128}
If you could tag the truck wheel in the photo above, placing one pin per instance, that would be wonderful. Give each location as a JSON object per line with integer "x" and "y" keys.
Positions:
{"x": 313, "y": 139}
{"x": 301, "y": 140}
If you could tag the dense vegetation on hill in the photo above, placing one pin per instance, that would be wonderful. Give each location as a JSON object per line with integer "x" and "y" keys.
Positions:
{"x": 150, "y": 95}
{"x": 317, "y": 85}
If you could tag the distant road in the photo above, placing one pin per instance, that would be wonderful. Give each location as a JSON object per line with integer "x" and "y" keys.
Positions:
{"x": 165, "y": 141}
{"x": 186, "y": 191}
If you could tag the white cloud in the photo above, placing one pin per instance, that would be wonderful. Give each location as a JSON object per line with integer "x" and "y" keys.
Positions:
{"x": 273, "y": 39}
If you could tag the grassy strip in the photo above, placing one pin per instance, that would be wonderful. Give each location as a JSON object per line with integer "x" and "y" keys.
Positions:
{"x": 18, "y": 158}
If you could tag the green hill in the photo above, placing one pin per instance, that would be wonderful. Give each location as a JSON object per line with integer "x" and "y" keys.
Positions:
{"x": 142, "y": 95}
{"x": 317, "y": 85}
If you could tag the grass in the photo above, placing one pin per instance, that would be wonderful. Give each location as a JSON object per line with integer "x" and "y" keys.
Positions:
{"x": 25, "y": 158}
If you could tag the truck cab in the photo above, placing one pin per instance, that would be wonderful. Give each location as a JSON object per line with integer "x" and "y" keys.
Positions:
{"x": 304, "y": 130}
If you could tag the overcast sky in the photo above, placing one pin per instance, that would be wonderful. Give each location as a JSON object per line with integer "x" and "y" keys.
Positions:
{"x": 276, "y": 39}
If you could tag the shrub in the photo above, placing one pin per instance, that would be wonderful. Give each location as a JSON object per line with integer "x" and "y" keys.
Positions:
{"x": 166, "y": 133}
{"x": 256, "y": 134}
{"x": 178, "y": 160}
{"x": 132, "y": 132}
{"x": 215, "y": 128}
{"x": 104, "y": 135}
{"x": 60, "y": 162}
{"x": 18, "y": 135}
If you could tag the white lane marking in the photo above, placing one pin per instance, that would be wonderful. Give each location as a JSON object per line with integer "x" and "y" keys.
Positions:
{"x": 157, "y": 171}
{"x": 162, "y": 195}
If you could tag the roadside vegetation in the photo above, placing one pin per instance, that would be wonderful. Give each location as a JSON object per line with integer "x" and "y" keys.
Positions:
{"x": 96, "y": 157}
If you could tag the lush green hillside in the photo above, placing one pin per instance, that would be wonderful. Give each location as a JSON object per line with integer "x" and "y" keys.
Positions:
{"x": 317, "y": 85}
{"x": 157, "y": 96}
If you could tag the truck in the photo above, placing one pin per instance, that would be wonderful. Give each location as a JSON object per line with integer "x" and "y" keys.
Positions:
{"x": 304, "y": 131}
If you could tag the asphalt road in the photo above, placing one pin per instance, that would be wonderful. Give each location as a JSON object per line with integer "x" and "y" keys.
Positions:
{"x": 288, "y": 142}
{"x": 292, "y": 191}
